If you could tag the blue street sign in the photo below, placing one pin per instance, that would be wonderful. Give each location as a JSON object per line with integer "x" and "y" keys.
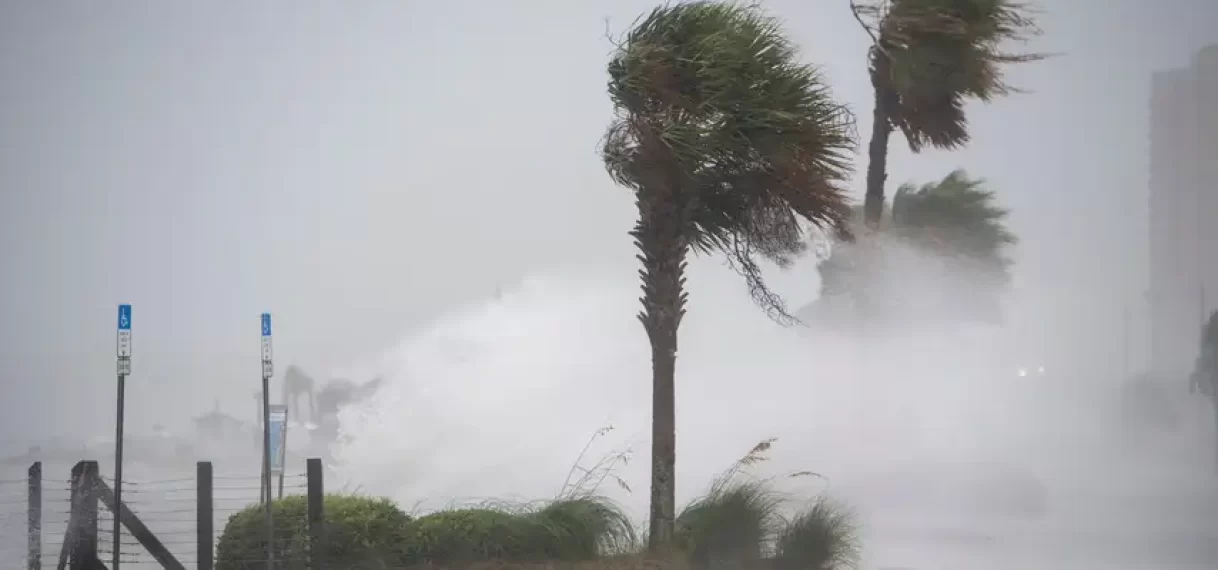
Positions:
{"x": 124, "y": 318}
{"x": 266, "y": 324}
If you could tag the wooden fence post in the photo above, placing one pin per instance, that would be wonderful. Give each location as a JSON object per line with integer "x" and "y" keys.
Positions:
{"x": 34, "y": 518}
{"x": 83, "y": 520}
{"x": 318, "y": 548}
{"x": 205, "y": 517}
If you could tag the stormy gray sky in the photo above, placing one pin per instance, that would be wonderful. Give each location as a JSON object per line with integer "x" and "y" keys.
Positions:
{"x": 358, "y": 167}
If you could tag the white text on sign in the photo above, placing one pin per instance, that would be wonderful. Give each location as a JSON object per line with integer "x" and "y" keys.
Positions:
{"x": 124, "y": 343}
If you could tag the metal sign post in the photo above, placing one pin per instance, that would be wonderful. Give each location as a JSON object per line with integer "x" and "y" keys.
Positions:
{"x": 124, "y": 368}
{"x": 279, "y": 441}
{"x": 1125, "y": 372}
{"x": 267, "y": 370}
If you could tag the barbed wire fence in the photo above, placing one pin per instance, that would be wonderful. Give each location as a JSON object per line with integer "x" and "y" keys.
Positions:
{"x": 13, "y": 522}
{"x": 185, "y": 517}
{"x": 290, "y": 524}
{"x": 168, "y": 507}
{"x": 32, "y": 532}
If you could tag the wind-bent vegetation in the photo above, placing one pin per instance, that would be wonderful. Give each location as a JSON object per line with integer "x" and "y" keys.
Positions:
{"x": 927, "y": 59}
{"x": 729, "y": 144}
{"x": 824, "y": 537}
{"x": 957, "y": 223}
{"x": 740, "y": 522}
{"x": 362, "y": 532}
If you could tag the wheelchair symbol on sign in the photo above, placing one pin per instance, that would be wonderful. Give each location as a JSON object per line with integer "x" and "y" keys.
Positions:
{"x": 124, "y": 317}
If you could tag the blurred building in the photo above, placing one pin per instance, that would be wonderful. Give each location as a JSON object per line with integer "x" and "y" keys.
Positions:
{"x": 1183, "y": 203}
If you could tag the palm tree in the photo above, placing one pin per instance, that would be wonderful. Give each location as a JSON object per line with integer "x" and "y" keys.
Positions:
{"x": 958, "y": 220}
{"x": 728, "y": 143}
{"x": 927, "y": 58}
{"x": 957, "y": 215}
{"x": 1205, "y": 371}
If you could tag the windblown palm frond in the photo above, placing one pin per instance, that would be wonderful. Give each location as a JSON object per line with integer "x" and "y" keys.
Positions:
{"x": 717, "y": 118}
{"x": 958, "y": 220}
{"x": 958, "y": 214}
{"x": 930, "y": 56}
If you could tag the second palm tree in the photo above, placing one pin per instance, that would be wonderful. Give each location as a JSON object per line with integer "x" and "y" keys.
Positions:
{"x": 727, "y": 142}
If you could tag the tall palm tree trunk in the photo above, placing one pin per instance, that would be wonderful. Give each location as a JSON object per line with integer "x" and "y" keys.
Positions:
{"x": 1214, "y": 406}
{"x": 873, "y": 203}
{"x": 877, "y": 150}
{"x": 662, "y": 247}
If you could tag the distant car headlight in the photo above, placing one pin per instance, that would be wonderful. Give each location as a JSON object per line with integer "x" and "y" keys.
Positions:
{"x": 1024, "y": 371}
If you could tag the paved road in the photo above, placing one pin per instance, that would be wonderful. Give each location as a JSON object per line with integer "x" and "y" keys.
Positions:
{"x": 1127, "y": 540}
{"x": 1153, "y": 506}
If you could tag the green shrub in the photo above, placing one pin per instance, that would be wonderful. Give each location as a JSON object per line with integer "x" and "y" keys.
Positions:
{"x": 739, "y": 524}
{"x": 362, "y": 532}
{"x": 569, "y": 530}
{"x": 730, "y": 526}
{"x": 822, "y": 537}
{"x": 584, "y": 528}
{"x": 466, "y": 535}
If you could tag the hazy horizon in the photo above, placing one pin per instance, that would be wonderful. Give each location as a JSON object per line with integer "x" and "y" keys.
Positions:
{"x": 374, "y": 173}
{"x": 211, "y": 163}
